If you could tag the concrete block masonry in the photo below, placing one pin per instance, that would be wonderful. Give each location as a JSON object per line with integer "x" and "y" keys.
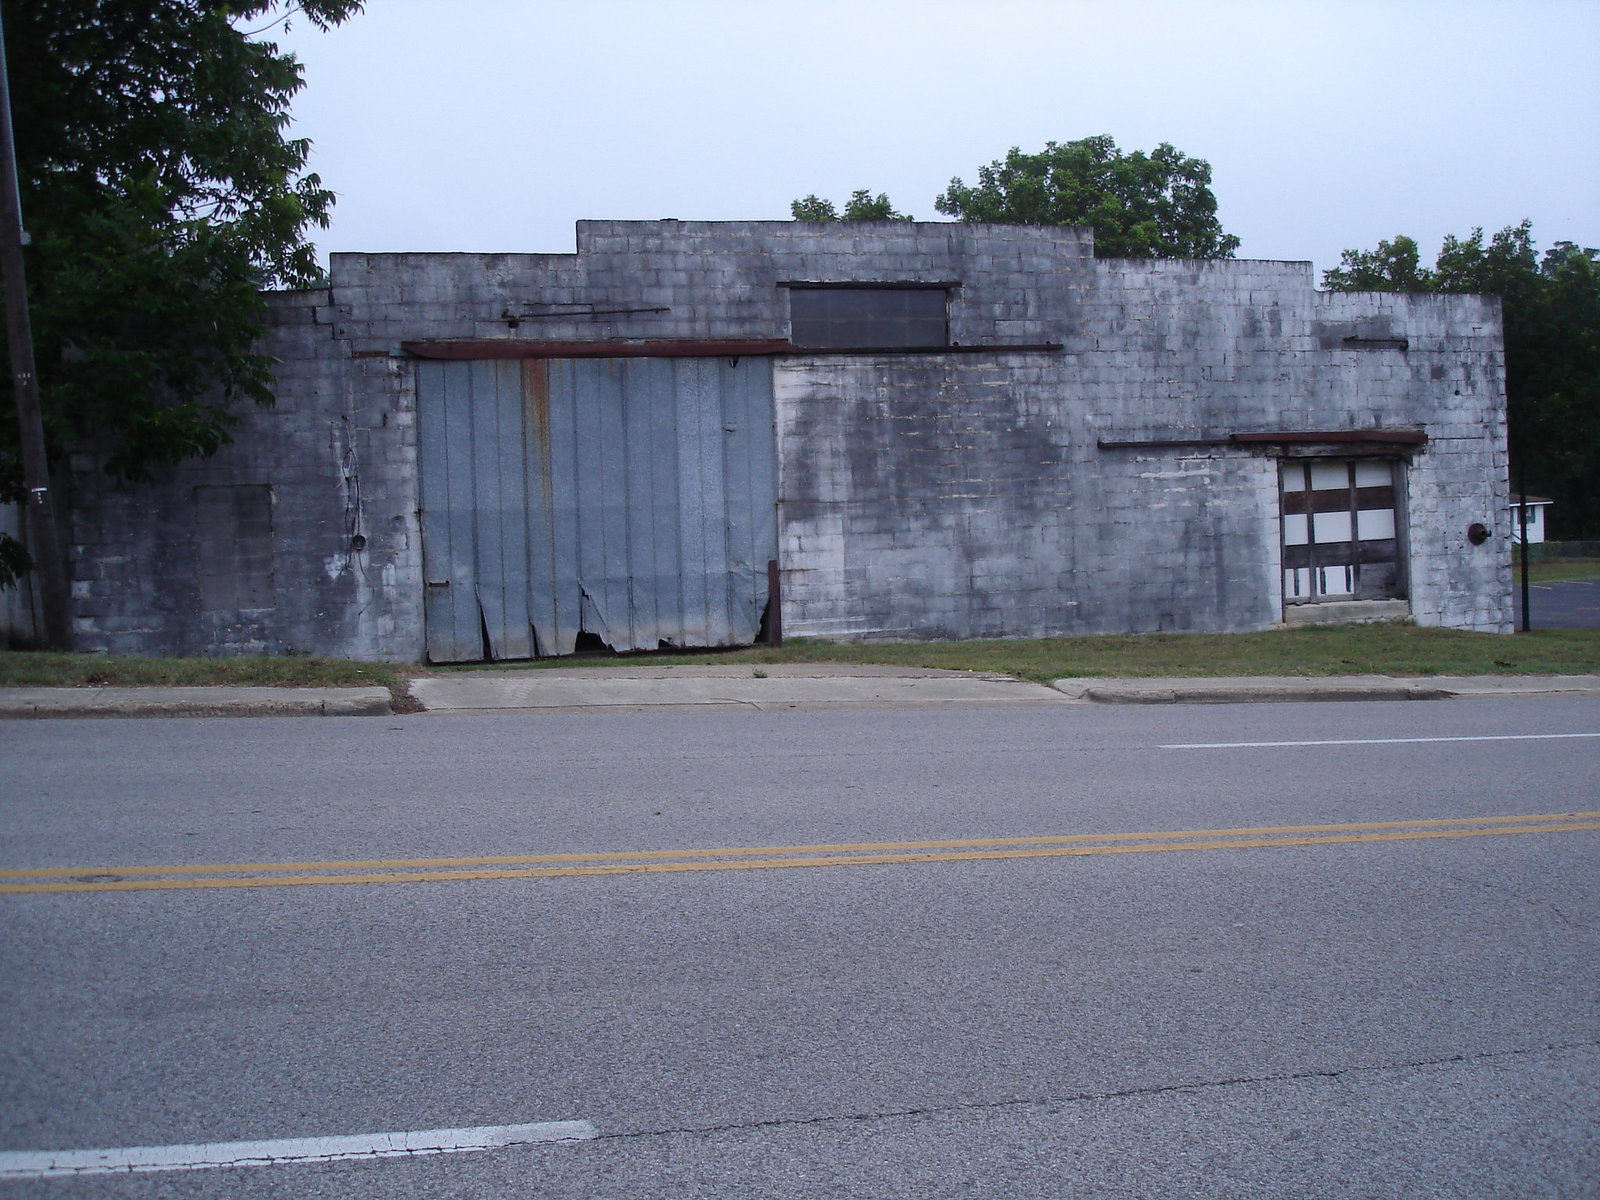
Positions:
{"x": 1064, "y": 464}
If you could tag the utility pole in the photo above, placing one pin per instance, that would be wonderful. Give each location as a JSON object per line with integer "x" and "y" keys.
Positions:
{"x": 39, "y": 510}
{"x": 1522, "y": 515}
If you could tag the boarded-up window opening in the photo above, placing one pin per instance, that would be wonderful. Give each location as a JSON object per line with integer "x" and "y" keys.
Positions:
{"x": 1340, "y": 534}
{"x": 233, "y": 546}
{"x": 843, "y": 318}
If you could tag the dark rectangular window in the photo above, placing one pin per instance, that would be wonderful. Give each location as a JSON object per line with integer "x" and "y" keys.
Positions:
{"x": 867, "y": 318}
{"x": 233, "y": 546}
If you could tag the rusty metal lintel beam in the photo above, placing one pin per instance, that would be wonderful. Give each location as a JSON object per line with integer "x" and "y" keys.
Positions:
{"x": 1002, "y": 348}
{"x": 901, "y": 285}
{"x": 1160, "y": 443}
{"x": 689, "y": 348}
{"x": 1382, "y": 437}
{"x": 557, "y": 312}
{"x": 666, "y": 348}
{"x": 1365, "y": 437}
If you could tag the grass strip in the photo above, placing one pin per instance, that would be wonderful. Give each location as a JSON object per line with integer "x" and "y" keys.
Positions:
{"x": 1555, "y": 570}
{"x": 1397, "y": 648}
{"x": 1391, "y": 648}
{"x": 38, "y": 668}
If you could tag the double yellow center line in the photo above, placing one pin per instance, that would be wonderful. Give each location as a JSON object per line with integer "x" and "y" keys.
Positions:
{"x": 753, "y": 858}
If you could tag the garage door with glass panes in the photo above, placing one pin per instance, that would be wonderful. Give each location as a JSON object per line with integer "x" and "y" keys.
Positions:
{"x": 1341, "y": 536}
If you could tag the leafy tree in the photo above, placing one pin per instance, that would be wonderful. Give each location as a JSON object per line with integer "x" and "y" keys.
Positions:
{"x": 862, "y": 206}
{"x": 1158, "y": 205}
{"x": 1392, "y": 267}
{"x": 1551, "y": 312}
{"x": 160, "y": 195}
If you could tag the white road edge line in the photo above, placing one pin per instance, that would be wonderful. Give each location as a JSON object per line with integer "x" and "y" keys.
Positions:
{"x": 45, "y": 1164}
{"x": 1487, "y": 737}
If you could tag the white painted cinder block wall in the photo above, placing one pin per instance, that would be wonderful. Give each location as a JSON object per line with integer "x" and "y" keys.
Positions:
{"x": 919, "y": 496}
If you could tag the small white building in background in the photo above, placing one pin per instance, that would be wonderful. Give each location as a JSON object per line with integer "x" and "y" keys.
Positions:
{"x": 1536, "y": 507}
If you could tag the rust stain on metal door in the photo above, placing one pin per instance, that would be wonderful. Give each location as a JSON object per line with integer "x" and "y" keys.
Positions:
{"x": 536, "y": 409}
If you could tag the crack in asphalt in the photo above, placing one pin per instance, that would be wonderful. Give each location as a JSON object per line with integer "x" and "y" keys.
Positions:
{"x": 1090, "y": 1097}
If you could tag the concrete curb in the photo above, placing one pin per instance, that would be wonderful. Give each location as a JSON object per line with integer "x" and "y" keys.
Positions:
{"x": 661, "y": 689}
{"x": 1283, "y": 695}
{"x": 1305, "y": 689}
{"x": 46, "y": 702}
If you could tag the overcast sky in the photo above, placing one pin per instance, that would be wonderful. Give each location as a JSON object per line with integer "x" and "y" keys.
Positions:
{"x": 494, "y": 125}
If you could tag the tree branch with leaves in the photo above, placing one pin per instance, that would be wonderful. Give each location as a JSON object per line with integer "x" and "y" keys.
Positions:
{"x": 161, "y": 194}
{"x": 862, "y": 206}
{"x": 1550, "y": 307}
{"x": 1156, "y": 205}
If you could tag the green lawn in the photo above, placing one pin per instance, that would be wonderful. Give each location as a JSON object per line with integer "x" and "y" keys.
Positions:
{"x": 28, "y": 668}
{"x": 1388, "y": 649}
{"x": 1553, "y": 570}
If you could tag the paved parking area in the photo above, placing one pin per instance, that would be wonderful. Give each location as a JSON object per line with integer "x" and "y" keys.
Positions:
{"x": 1568, "y": 604}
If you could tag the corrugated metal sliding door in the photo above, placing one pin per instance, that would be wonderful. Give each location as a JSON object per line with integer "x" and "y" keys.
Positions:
{"x": 632, "y": 499}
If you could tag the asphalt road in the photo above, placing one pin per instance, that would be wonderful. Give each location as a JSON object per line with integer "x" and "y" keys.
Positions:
{"x": 1384, "y": 1008}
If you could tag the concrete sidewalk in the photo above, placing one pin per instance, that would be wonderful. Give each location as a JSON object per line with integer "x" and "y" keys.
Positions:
{"x": 785, "y": 685}
{"x": 640, "y": 687}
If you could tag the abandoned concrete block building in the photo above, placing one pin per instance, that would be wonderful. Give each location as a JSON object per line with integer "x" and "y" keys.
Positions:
{"x": 687, "y": 433}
